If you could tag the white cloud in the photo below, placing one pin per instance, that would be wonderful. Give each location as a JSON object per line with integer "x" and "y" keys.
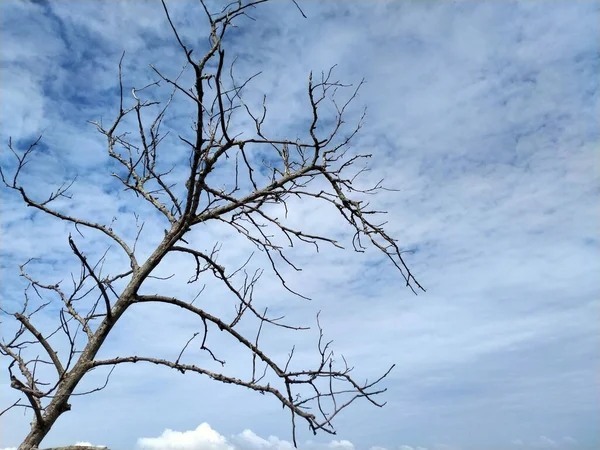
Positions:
{"x": 343, "y": 444}
{"x": 203, "y": 437}
{"x": 248, "y": 438}
{"x": 254, "y": 440}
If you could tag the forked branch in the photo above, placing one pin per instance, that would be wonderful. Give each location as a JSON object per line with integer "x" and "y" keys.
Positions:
{"x": 251, "y": 200}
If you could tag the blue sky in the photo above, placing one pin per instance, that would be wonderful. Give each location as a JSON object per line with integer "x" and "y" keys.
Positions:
{"x": 483, "y": 115}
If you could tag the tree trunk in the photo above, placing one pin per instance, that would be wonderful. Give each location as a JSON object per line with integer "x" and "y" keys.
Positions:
{"x": 57, "y": 406}
{"x": 60, "y": 403}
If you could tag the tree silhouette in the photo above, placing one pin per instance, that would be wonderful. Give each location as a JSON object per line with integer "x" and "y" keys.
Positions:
{"x": 318, "y": 167}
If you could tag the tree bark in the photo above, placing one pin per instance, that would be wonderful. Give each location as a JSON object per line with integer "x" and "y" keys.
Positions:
{"x": 59, "y": 403}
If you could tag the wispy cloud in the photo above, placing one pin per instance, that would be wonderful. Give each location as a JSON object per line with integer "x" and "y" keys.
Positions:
{"x": 483, "y": 114}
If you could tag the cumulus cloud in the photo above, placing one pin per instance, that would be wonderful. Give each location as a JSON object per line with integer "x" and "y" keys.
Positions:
{"x": 204, "y": 437}
{"x": 341, "y": 445}
{"x": 249, "y": 439}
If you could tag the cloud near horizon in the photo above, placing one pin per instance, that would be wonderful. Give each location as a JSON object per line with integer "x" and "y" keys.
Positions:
{"x": 204, "y": 437}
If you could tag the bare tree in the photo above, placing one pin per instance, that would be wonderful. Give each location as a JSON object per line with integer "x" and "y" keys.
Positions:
{"x": 315, "y": 395}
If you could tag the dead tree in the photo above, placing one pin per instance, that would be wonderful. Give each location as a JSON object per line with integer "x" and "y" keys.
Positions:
{"x": 314, "y": 395}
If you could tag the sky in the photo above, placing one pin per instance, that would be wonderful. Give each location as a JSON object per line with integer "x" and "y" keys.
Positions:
{"x": 484, "y": 118}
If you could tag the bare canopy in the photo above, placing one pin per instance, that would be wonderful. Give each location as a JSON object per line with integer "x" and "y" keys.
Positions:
{"x": 318, "y": 167}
